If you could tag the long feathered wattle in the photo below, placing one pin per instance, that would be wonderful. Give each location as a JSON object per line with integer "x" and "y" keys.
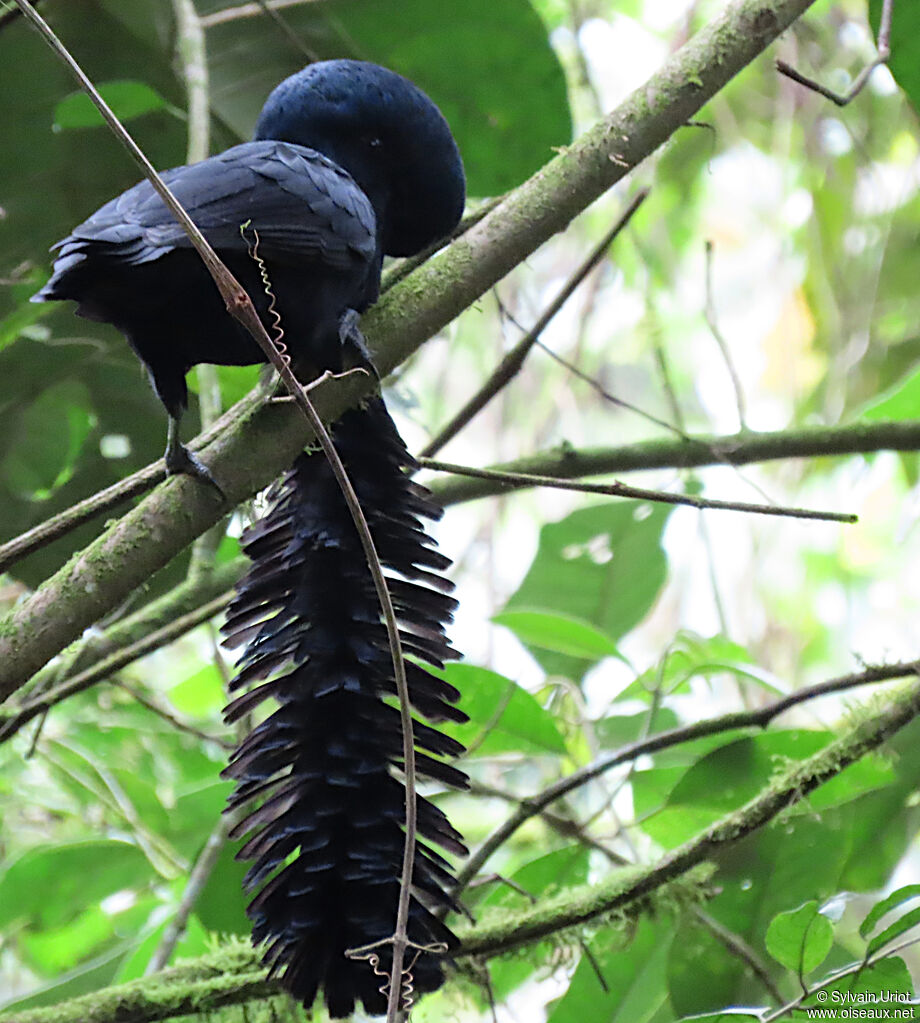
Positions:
{"x": 326, "y": 833}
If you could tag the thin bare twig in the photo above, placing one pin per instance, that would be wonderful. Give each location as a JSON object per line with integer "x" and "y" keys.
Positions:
{"x": 709, "y": 313}
{"x": 198, "y": 878}
{"x": 732, "y": 721}
{"x": 511, "y": 364}
{"x": 289, "y": 34}
{"x": 882, "y": 55}
{"x": 738, "y": 947}
{"x": 637, "y": 493}
{"x": 172, "y": 719}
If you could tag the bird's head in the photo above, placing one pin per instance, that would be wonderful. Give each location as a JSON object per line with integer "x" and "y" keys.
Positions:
{"x": 387, "y": 134}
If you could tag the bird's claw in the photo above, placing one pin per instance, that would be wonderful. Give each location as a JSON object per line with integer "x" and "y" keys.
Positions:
{"x": 181, "y": 461}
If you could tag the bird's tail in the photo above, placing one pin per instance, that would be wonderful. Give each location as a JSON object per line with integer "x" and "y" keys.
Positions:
{"x": 326, "y": 832}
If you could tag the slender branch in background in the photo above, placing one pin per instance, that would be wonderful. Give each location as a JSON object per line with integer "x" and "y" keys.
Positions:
{"x": 596, "y": 384}
{"x": 109, "y": 665}
{"x": 564, "y": 826}
{"x": 562, "y": 464}
{"x": 511, "y": 364}
{"x": 565, "y": 462}
{"x": 193, "y": 60}
{"x": 198, "y": 878}
{"x": 738, "y": 947}
{"x": 709, "y": 312}
{"x": 118, "y": 493}
{"x": 289, "y": 34}
{"x": 637, "y": 493}
{"x": 883, "y": 53}
{"x": 172, "y": 719}
{"x": 759, "y": 718}
{"x": 702, "y": 524}
{"x": 623, "y": 888}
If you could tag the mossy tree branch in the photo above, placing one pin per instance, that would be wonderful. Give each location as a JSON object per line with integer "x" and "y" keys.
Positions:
{"x": 233, "y": 976}
{"x": 249, "y": 457}
{"x": 170, "y": 613}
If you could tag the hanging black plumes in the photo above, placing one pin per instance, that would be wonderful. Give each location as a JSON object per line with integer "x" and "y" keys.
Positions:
{"x": 322, "y": 763}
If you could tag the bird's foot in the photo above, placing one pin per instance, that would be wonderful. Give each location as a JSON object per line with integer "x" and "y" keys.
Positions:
{"x": 351, "y": 338}
{"x": 181, "y": 461}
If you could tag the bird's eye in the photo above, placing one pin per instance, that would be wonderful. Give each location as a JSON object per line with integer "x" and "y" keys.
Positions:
{"x": 374, "y": 142}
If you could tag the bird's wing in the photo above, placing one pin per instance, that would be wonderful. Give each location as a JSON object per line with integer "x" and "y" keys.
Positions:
{"x": 303, "y": 206}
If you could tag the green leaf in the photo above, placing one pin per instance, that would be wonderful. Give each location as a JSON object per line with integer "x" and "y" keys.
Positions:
{"x": 886, "y": 983}
{"x": 633, "y": 988}
{"x": 618, "y": 730}
{"x": 603, "y": 566}
{"x": 57, "y": 949}
{"x": 899, "y": 402}
{"x": 48, "y": 885}
{"x": 199, "y": 694}
{"x": 800, "y": 939}
{"x": 886, "y": 905}
{"x": 513, "y": 718}
{"x": 128, "y": 100}
{"x": 221, "y": 907}
{"x": 47, "y": 440}
{"x": 725, "y": 779}
{"x": 543, "y": 876}
{"x": 561, "y": 633}
{"x": 904, "y": 62}
{"x": 507, "y": 112}
{"x": 883, "y": 907}
{"x": 91, "y": 976}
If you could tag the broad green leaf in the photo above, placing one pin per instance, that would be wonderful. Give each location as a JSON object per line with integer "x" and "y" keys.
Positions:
{"x": 618, "y": 730}
{"x": 725, "y": 779}
{"x": 543, "y": 876}
{"x": 507, "y": 114}
{"x": 633, "y": 977}
{"x": 800, "y": 939}
{"x": 561, "y": 633}
{"x": 701, "y": 976}
{"x": 128, "y": 100}
{"x": 221, "y": 907}
{"x": 48, "y": 885}
{"x": 602, "y": 565}
{"x": 886, "y": 983}
{"x": 55, "y": 950}
{"x": 904, "y": 61}
{"x": 47, "y": 441}
{"x": 200, "y": 693}
{"x": 900, "y": 402}
{"x": 91, "y": 976}
{"x": 511, "y": 717}
{"x": 887, "y": 905}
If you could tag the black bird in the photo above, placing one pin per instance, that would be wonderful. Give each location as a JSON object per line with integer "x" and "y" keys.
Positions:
{"x": 350, "y": 162}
